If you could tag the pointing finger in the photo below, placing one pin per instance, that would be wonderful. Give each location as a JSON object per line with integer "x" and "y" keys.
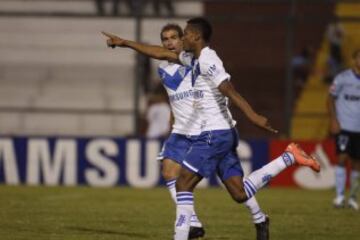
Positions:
{"x": 108, "y": 34}
{"x": 271, "y": 129}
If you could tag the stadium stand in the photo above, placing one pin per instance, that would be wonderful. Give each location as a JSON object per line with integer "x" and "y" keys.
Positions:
{"x": 53, "y": 73}
{"x": 57, "y": 76}
{"x": 254, "y": 50}
{"x": 310, "y": 120}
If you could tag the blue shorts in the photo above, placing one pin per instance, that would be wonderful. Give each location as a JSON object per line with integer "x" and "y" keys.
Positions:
{"x": 214, "y": 151}
{"x": 176, "y": 147}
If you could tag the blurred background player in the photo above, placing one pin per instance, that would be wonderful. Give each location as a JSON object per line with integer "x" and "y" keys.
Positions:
{"x": 344, "y": 110}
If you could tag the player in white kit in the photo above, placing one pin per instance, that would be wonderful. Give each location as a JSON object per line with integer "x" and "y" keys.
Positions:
{"x": 344, "y": 109}
{"x": 214, "y": 148}
{"x": 177, "y": 80}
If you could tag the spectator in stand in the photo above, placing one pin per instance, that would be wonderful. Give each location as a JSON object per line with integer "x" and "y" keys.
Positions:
{"x": 167, "y": 4}
{"x": 301, "y": 66}
{"x": 100, "y": 6}
{"x": 335, "y": 34}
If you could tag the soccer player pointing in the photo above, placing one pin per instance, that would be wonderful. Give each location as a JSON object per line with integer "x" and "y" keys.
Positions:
{"x": 191, "y": 42}
{"x": 214, "y": 148}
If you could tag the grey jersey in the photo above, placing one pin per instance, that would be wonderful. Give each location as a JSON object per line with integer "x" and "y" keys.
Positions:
{"x": 346, "y": 90}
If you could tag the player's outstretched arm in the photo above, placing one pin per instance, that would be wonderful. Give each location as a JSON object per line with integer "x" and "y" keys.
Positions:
{"x": 156, "y": 52}
{"x": 228, "y": 90}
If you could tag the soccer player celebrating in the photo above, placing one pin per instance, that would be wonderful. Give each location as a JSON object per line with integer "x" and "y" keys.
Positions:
{"x": 176, "y": 79}
{"x": 344, "y": 110}
{"x": 214, "y": 149}
{"x": 177, "y": 82}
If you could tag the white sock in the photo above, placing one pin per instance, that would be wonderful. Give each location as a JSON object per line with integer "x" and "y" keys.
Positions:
{"x": 262, "y": 176}
{"x": 171, "y": 187}
{"x": 354, "y": 183}
{"x": 257, "y": 215}
{"x": 195, "y": 222}
{"x": 184, "y": 210}
{"x": 340, "y": 180}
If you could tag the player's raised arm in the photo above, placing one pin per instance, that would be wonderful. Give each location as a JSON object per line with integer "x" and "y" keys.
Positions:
{"x": 228, "y": 90}
{"x": 156, "y": 52}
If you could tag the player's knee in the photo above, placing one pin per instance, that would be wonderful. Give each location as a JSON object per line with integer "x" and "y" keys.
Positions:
{"x": 168, "y": 174}
{"x": 239, "y": 196}
{"x": 187, "y": 180}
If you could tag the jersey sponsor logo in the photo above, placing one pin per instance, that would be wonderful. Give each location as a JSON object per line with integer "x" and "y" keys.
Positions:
{"x": 349, "y": 97}
{"x": 197, "y": 94}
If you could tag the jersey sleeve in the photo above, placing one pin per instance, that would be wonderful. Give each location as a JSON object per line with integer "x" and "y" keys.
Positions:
{"x": 336, "y": 86}
{"x": 212, "y": 67}
{"x": 186, "y": 58}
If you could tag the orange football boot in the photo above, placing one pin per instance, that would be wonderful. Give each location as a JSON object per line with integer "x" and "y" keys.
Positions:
{"x": 302, "y": 158}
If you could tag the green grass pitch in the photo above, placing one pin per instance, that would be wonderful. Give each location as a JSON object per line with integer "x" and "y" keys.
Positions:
{"x": 122, "y": 213}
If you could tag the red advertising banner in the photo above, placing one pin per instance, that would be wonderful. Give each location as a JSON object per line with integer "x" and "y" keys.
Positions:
{"x": 303, "y": 177}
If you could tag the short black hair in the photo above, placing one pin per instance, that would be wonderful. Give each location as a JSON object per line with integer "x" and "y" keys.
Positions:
{"x": 203, "y": 26}
{"x": 172, "y": 26}
{"x": 356, "y": 52}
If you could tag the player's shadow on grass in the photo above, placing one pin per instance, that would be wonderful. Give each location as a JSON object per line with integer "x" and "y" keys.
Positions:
{"x": 101, "y": 231}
